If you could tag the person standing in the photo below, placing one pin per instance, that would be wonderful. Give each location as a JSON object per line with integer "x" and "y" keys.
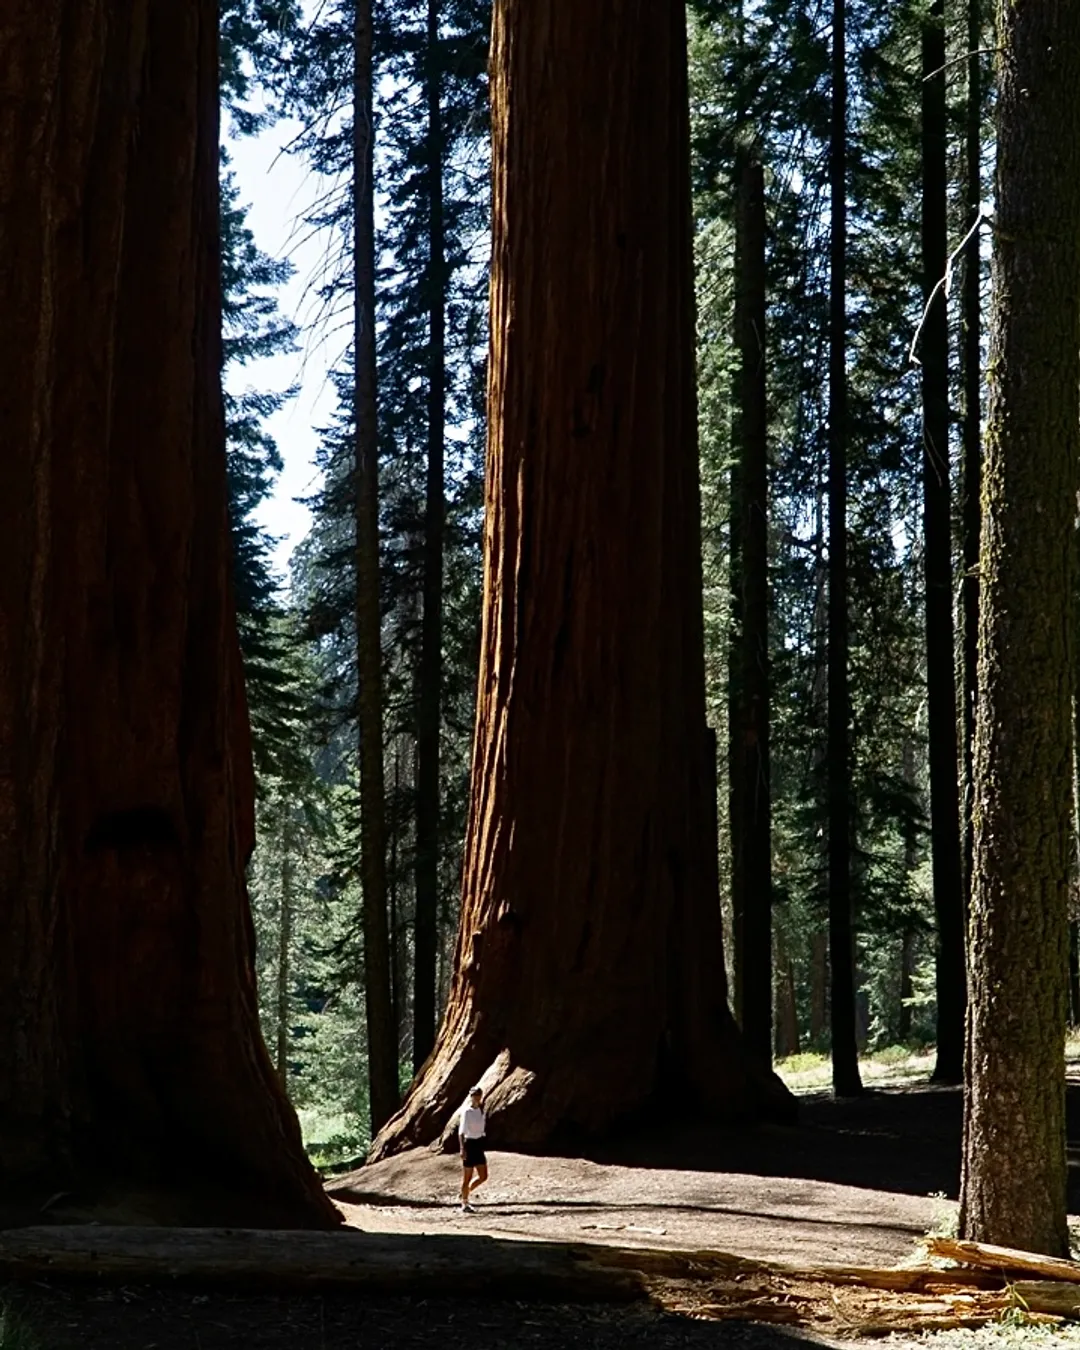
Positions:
{"x": 471, "y": 1130}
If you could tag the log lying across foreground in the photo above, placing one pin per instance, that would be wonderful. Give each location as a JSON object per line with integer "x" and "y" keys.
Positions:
{"x": 710, "y": 1284}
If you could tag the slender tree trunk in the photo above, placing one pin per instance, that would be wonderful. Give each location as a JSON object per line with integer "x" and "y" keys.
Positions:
{"x": 971, "y": 476}
{"x": 787, "y": 1013}
{"x": 736, "y": 777}
{"x": 381, "y": 1037}
{"x": 430, "y": 700}
{"x": 750, "y": 732}
{"x": 1013, "y": 1186}
{"x": 845, "y": 1054}
{"x": 284, "y": 945}
{"x": 589, "y": 974}
{"x": 1074, "y": 973}
{"x": 907, "y": 989}
{"x": 1074, "y": 889}
{"x": 946, "y": 858}
{"x": 131, "y": 1061}
{"x": 907, "y": 941}
{"x": 819, "y": 985}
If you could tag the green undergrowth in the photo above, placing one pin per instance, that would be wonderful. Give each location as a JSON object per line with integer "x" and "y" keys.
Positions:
{"x": 812, "y": 1072}
{"x": 15, "y": 1333}
{"x": 332, "y": 1139}
{"x": 1013, "y": 1332}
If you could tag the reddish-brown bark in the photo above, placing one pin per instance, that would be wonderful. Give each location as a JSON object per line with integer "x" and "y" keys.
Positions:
{"x": 589, "y": 975}
{"x": 130, "y": 1055}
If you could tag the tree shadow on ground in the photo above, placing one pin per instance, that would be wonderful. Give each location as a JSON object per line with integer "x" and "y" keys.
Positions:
{"x": 903, "y": 1139}
{"x": 81, "y": 1317}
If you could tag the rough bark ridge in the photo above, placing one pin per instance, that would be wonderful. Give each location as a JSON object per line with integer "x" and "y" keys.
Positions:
{"x": 589, "y": 970}
{"x": 951, "y": 979}
{"x": 1013, "y": 1186}
{"x": 130, "y": 1054}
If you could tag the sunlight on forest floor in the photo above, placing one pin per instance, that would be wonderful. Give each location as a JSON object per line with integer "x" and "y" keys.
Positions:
{"x": 1004, "y": 1335}
{"x": 891, "y": 1066}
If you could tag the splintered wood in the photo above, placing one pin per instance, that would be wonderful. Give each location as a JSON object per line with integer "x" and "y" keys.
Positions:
{"x": 866, "y": 1301}
{"x": 981, "y": 1285}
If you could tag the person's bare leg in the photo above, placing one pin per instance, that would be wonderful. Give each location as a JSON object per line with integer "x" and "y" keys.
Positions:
{"x": 481, "y": 1177}
{"x": 466, "y": 1178}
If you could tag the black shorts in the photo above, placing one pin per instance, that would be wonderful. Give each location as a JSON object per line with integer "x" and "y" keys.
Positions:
{"x": 472, "y": 1153}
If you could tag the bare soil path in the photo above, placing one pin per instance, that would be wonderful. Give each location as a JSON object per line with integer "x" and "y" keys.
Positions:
{"x": 856, "y": 1182}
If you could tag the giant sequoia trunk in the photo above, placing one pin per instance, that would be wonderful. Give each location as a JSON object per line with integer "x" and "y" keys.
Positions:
{"x": 951, "y": 985}
{"x": 589, "y": 973}
{"x": 130, "y": 1052}
{"x": 1013, "y": 1187}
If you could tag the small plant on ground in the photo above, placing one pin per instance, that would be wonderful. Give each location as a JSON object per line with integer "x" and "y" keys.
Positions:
{"x": 945, "y": 1221}
{"x": 14, "y": 1332}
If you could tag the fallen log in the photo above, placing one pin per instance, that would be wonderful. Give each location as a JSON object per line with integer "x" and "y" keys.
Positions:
{"x": 268, "y": 1259}
{"x": 698, "y": 1283}
{"x": 1059, "y": 1297}
{"x": 1004, "y": 1259}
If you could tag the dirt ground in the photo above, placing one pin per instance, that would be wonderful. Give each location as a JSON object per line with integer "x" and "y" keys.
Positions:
{"x": 853, "y": 1182}
{"x": 796, "y": 1194}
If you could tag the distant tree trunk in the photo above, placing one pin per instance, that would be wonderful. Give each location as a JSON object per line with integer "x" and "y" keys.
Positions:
{"x": 819, "y": 985}
{"x": 1074, "y": 895}
{"x": 736, "y": 777}
{"x": 907, "y": 988}
{"x": 284, "y": 945}
{"x": 131, "y": 1060}
{"x": 1013, "y": 1186}
{"x": 751, "y": 821}
{"x": 845, "y": 1054}
{"x": 398, "y": 946}
{"x": 430, "y": 700}
{"x": 589, "y": 976}
{"x": 907, "y": 941}
{"x": 951, "y": 981}
{"x": 787, "y": 1012}
{"x": 971, "y": 464}
{"x": 1074, "y": 973}
{"x": 378, "y": 1000}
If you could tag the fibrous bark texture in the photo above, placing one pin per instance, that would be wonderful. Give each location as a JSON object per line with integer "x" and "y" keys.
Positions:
{"x": 589, "y": 972}
{"x": 1013, "y": 1187}
{"x": 951, "y": 980}
{"x": 130, "y": 1053}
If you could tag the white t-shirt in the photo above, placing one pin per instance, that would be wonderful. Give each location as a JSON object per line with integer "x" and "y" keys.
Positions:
{"x": 473, "y": 1125}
